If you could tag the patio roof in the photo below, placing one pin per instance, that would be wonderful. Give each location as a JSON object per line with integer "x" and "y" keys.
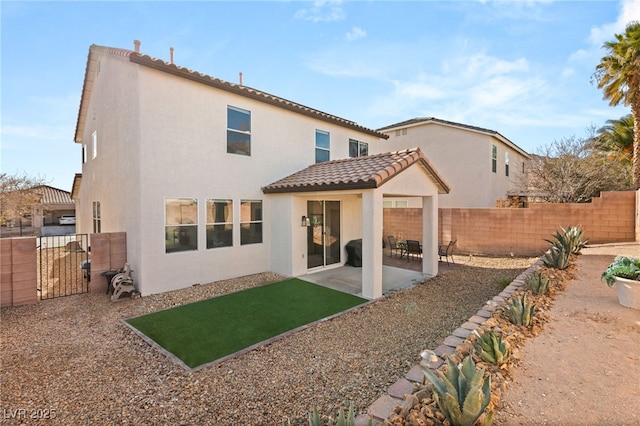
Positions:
{"x": 370, "y": 171}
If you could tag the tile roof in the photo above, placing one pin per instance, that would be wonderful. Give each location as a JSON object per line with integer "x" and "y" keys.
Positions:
{"x": 183, "y": 72}
{"x": 51, "y": 195}
{"x": 436, "y": 120}
{"x": 426, "y": 120}
{"x": 355, "y": 173}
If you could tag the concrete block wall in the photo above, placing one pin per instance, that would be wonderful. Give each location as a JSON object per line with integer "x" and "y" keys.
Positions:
{"x": 403, "y": 224}
{"x": 607, "y": 219}
{"x": 18, "y": 271}
{"x": 108, "y": 252}
{"x": 498, "y": 231}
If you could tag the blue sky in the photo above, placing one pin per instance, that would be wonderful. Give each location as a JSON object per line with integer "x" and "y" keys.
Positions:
{"x": 522, "y": 68}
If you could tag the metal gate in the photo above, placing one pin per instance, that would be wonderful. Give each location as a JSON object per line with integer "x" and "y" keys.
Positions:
{"x": 59, "y": 265}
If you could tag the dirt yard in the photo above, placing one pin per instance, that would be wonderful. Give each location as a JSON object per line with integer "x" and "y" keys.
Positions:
{"x": 584, "y": 368}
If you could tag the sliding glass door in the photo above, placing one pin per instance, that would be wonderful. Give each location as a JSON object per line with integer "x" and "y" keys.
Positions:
{"x": 323, "y": 235}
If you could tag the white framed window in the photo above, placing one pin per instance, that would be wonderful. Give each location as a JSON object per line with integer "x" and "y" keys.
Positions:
{"x": 494, "y": 158}
{"x": 395, "y": 204}
{"x": 323, "y": 146}
{"x": 219, "y": 223}
{"x": 358, "y": 149}
{"x": 97, "y": 218}
{"x": 84, "y": 153}
{"x": 238, "y": 131}
{"x": 94, "y": 144}
{"x": 181, "y": 224}
{"x": 250, "y": 222}
{"x": 506, "y": 164}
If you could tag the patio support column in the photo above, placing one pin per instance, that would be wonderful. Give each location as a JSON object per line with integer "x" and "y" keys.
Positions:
{"x": 430, "y": 236}
{"x": 372, "y": 244}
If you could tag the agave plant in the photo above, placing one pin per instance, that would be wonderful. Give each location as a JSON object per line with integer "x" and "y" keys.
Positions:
{"x": 519, "y": 311}
{"x": 538, "y": 284}
{"x": 556, "y": 257}
{"x": 461, "y": 394}
{"x": 344, "y": 419}
{"x": 570, "y": 240}
{"x": 575, "y": 235}
{"x": 492, "y": 348}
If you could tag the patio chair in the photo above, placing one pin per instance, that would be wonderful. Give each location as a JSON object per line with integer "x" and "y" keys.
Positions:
{"x": 123, "y": 283}
{"x": 395, "y": 247}
{"x": 446, "y": 251}
{"x": 413, "y": 249}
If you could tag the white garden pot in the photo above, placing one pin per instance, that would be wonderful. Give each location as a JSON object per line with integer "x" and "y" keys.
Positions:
{"x": 628, "y": 292}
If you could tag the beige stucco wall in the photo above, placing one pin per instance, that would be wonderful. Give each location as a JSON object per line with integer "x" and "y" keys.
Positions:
{"x": 160, "y": 137}
{"x": 463, "y": 159}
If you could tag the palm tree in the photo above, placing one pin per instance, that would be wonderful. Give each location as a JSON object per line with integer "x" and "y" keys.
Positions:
{"x": 616, "y": 137}
{"x": 618, "y": 75}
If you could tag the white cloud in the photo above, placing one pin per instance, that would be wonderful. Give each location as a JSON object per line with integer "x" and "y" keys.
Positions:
{"x": 489, "y": 66}
{"x": 322, "y": 11}
{"x": 355, "y": 34}
{"x": 629, "y": 11}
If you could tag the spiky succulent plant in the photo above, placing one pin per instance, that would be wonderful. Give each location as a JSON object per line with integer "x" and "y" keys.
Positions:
{"x": 519, "y": 311}
{"x": 537, "y": 283}
{"x": 344, "y": 418}
{"x": 556, "y": 257}
{"x": 492, "y": 348}
{"x": 461, "y": 394}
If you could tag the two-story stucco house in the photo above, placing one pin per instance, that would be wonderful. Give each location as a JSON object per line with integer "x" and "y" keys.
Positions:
{"x": 212, "y": 180}
{"x": 481, "y": 165}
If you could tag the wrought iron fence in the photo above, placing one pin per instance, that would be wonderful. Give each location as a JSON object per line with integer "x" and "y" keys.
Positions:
{"x": 60, "y": 258}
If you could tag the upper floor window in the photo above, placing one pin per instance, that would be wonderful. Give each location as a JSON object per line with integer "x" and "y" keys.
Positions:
{"x": 238, "y": 131}
{"x": 219, "y": 223}
{"x": 494, "y": 158}
{"x": 181, "y": 224}
{"x": 250, "y": 222}
{"x": 84, "y": 153}
{"x": 322, "y": 146}
{"x": 358, "y": 149}
{"x": 506, "y": 164}
{"x": 94, "y": 142}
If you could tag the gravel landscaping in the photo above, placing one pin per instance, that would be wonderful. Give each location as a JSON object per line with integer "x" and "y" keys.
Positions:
{"x": 73, "y": 359}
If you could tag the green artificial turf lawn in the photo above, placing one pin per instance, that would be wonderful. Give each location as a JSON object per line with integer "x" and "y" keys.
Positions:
{"x": 204, "y": 331}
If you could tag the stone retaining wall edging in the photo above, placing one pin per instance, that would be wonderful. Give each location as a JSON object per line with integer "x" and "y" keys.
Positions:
{"x": 384, "y": 406}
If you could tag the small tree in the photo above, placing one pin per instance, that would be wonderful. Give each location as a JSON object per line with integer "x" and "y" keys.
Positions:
{"x": 18, "y": 196}
{"x": 573, "y": 170}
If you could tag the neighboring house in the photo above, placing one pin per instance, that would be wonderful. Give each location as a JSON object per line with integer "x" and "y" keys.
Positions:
{"x": 52, "y": 203}
{"x": 194, "y": 170}
{"x": 481, "y": 165}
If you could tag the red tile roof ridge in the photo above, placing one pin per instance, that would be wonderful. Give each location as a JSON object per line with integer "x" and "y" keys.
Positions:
{"x": 369, "y": 171}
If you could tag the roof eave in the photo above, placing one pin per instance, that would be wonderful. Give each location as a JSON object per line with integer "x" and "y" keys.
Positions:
{"x": 321, "y": 188}
{"x": 249, "y": 93}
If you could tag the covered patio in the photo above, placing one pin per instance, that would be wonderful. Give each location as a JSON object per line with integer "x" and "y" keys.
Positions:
{"x": 353, "y": 189}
